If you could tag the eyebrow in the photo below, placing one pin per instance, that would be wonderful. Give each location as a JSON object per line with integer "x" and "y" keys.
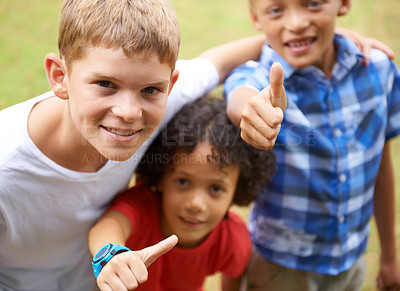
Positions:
{"x": 102, "y": 76}
{"x": 158, "y": 82}
{"x": 111, "y": 78}
{"x": 190, "y": 175}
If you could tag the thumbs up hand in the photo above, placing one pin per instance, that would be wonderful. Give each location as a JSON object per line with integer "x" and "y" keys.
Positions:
{"x": 262, "y": 116}
{"x": 127, "y": 270}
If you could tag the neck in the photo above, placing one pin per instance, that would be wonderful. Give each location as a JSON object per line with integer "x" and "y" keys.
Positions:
{"x": 327, "y": 62}
{"x": 53, "y": 133}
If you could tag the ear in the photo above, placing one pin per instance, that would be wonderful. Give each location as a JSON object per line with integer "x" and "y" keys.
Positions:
{"x": 56, "y": 74}
{"x": 254, "y": 20}
{"x": 174, "y": 78}
{"x": 344, "y": 8}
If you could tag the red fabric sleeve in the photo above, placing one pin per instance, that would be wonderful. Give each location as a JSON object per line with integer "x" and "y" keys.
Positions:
{"x": 139, "y": 205}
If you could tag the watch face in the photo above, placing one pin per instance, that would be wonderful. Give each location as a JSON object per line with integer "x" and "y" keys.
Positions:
{"x": 102, "y": 253}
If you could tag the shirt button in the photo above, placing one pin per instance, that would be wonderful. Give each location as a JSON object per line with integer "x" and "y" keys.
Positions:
{"x": 341, "y": 219}
{"x": 337, "y": 132}
{"x": 342, "y": 178}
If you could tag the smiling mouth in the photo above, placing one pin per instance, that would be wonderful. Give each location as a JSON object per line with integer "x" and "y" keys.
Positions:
{"x": 190, "y": 221}
{"x": 121, "y": 132}
{"x": 300, "y": 43}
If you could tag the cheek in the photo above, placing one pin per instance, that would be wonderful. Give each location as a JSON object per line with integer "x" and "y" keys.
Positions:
{"x": 274, "y": 38}
{"x": 275, "y": 41}
{"x": 218, "y": 211}
{"x": 171, "y": 201}
{"x": 154, "y": 113}
{"x": 86, "y": 112}
{"x": 328, "y": 23}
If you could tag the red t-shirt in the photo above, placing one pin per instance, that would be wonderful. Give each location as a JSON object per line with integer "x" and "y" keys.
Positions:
{"x": 227, "y": 249}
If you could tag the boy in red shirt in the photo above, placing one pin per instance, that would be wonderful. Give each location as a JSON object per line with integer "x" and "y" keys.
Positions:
{"x": 190, "y": 176}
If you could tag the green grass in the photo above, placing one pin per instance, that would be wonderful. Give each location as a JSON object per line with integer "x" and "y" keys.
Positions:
{"x": 29, "y": 31}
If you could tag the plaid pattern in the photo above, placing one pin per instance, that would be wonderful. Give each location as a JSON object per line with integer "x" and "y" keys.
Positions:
{"x": 315, "y": 215}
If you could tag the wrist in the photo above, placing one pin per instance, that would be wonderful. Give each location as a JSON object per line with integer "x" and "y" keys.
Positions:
{"x": 104, "y": 255}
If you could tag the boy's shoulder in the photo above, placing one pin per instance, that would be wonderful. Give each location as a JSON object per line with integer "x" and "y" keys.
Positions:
{"x": 234, "y": 225}
{"x": 230, "y": 228}
{"x": 17, "y": 115}
{"x": 24, "y": 106}
{"x": 378, "y": 56}
{"x": 347, "y": 50}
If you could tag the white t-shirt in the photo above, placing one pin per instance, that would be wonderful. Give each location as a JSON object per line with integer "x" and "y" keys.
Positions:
{"x": 46, "y": 210}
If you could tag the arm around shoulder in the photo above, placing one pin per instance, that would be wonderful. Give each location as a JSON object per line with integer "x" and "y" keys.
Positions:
{"x": 227, "y": 56}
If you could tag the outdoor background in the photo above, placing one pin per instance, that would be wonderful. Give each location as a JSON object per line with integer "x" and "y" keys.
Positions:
{"x": 28, "y": 31}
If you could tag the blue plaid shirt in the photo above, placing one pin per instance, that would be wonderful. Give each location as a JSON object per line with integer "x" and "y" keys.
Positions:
{"x": 315, "y": 215}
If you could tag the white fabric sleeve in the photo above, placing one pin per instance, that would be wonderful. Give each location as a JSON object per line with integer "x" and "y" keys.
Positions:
{"x": 197, "y": 77}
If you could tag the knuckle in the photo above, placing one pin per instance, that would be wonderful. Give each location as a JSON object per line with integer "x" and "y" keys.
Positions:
{"x": 276, "y": 119}
{"x": 143, "y": 278}
{"x": 253, "y": 101}
{"x": 245, "y": 115}
{"x": 132, "y": 285}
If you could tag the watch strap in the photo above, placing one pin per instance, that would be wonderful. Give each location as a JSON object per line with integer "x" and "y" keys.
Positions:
{"x": 104, "y": 255}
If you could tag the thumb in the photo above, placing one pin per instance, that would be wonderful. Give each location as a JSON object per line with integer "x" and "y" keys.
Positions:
{"x": 277, "y": 90}
{"x": 150, "y": 254}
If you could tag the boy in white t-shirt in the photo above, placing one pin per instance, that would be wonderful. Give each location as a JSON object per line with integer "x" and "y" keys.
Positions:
{"x": 65, "y": 154}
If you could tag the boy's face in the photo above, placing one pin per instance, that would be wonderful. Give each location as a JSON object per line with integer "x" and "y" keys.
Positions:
{"x": 196, "y": 194}
{"x": 300, "y": 31}
{"x": 117, "y": 101}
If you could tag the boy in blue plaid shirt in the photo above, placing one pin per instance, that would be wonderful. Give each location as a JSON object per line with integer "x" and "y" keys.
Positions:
{"x": 310, "y": 226}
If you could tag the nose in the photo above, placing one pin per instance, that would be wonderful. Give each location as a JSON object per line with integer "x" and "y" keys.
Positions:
{"x": 296, "y": 21}
{"x": 196, "y": 202}
{"x": 128, "y": 107}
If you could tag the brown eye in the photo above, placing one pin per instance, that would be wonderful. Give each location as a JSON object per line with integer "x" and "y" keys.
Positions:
{"x": 216, "y": 189}
{"x": 182, "y": 182}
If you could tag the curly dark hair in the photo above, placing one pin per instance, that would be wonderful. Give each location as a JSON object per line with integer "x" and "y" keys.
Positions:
{"x": 206, "y": 120}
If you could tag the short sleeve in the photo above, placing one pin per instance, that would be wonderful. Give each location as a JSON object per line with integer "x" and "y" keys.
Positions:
{"x": 250, "y": 75}
{"x": 136, "y": 204}
{"x": 197, "y": 77}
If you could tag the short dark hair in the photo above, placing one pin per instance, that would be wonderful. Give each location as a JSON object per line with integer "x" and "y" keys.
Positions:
{"x": 205, "y": 120}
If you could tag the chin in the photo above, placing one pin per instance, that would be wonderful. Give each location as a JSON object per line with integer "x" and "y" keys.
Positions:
{"x": 300, "y": 64}
{"x": 118, "y": 157}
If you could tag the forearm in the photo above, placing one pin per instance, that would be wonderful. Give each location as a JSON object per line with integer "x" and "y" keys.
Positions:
{"x": 228, "y": 56}
{"x": 113, "y": 227}
{"x": 384, "y": 207}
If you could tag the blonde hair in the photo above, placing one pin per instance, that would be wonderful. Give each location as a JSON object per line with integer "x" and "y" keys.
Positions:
{"x": 136, "y": 26}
